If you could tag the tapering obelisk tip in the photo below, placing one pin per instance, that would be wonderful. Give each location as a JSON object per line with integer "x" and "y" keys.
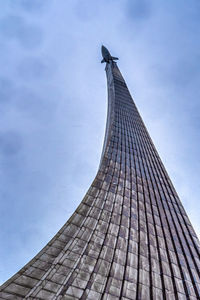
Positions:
{"x": 106, "y": 55}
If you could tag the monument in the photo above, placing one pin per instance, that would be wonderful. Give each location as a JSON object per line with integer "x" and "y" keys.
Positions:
{"x": 130, "y": 237}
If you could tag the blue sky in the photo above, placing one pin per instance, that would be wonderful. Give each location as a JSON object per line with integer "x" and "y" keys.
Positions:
{"x": 53, "y": 105}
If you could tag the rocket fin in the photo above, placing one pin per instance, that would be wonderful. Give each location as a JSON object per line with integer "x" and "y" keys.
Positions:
{"x": 114, "y": 58}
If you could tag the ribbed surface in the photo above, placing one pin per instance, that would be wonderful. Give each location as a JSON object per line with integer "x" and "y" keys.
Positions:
{"x": 130, "y": 238}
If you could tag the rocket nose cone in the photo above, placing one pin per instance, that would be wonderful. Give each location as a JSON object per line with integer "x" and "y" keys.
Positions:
{"x": 103, "y": 51}
{"x": 103, "y": 48}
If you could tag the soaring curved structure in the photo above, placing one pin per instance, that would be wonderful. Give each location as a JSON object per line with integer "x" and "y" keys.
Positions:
{"x": 130, "y": 238}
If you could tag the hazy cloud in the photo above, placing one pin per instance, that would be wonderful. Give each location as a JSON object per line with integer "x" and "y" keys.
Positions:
{"x": 37, "y": 105}
{"x": 10, "y": 143}
{"x": 35, "y": 68}
{"x": 87, "y": 10}
{"x": 6, "y": 90}
{"x": 15, "y": 27}
{"x": 139, "y": 9}
{"x": 32, "y": 6}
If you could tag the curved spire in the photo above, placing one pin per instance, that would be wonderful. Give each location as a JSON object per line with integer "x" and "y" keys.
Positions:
{"x": 130, "y": 237}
